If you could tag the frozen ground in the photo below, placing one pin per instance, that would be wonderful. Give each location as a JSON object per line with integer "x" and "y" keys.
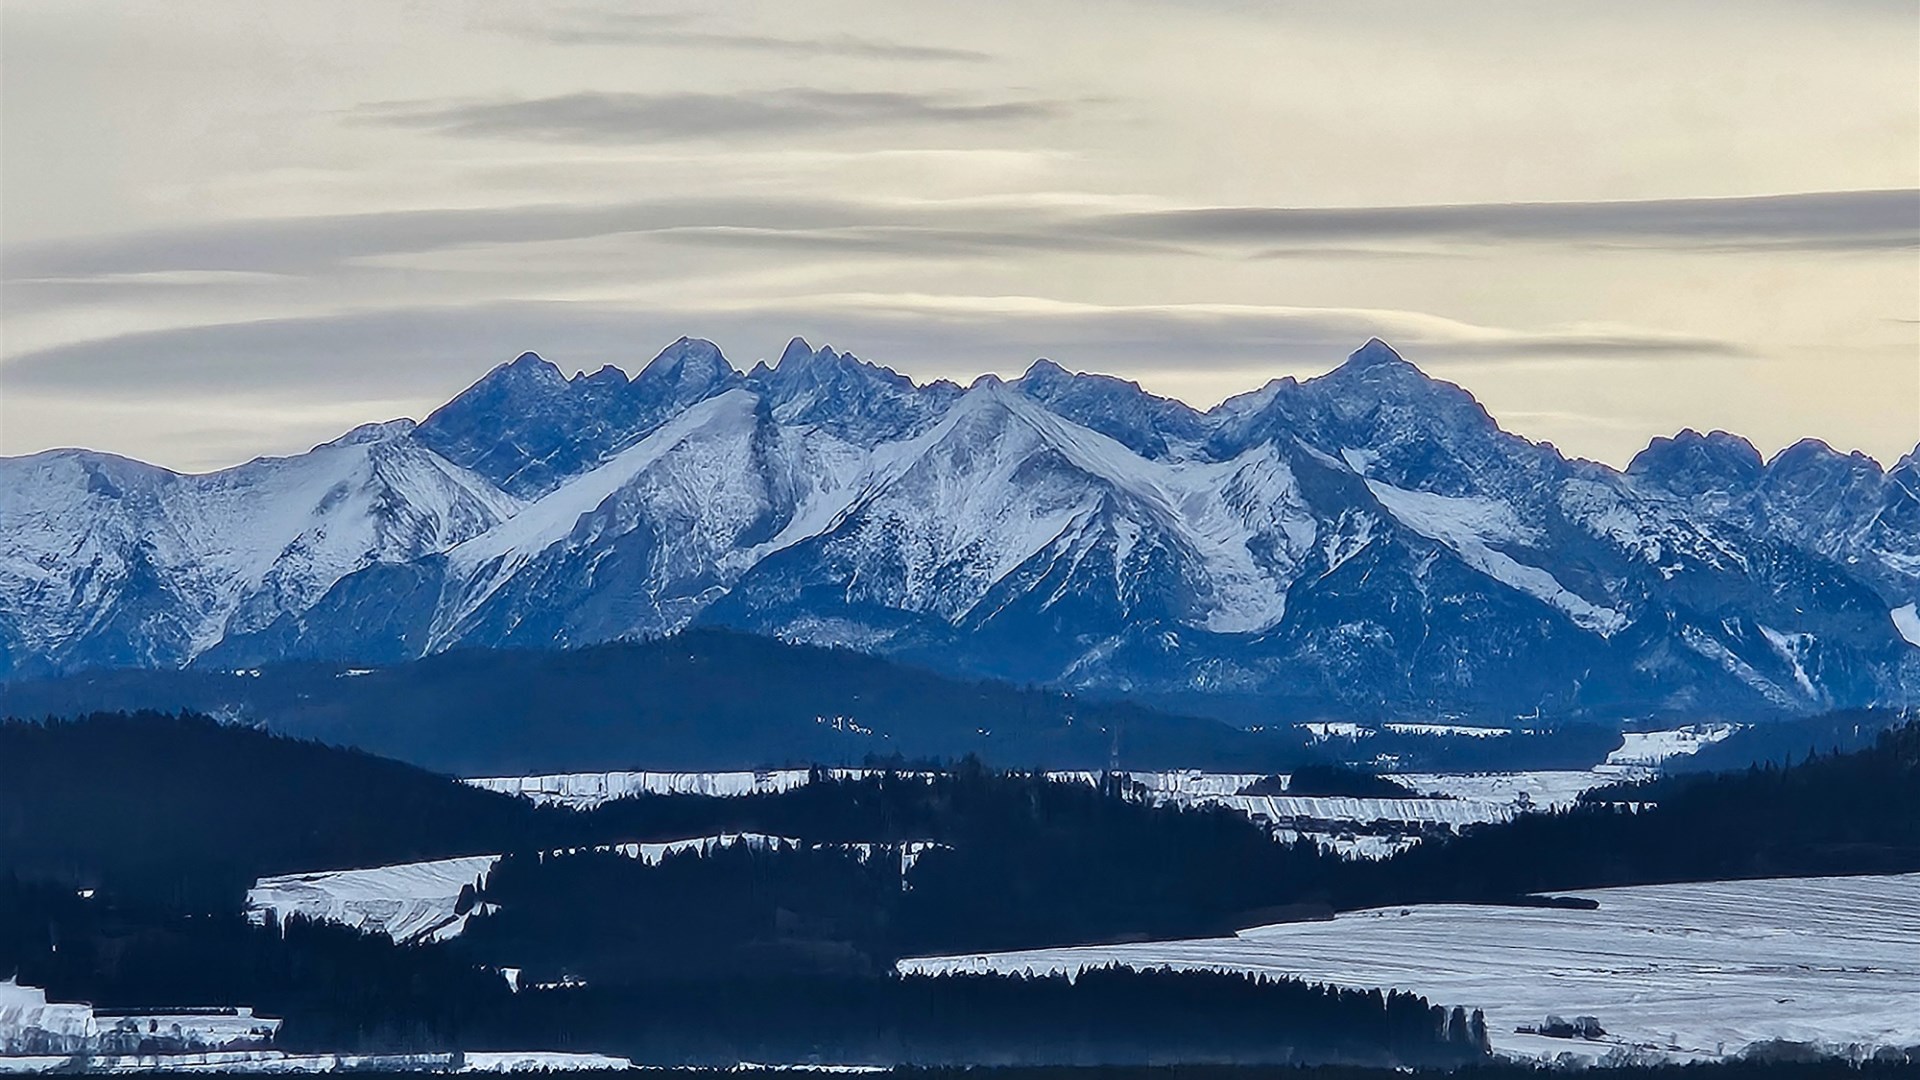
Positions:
{"x": 1283, "y": 809}
{"x": 1463, "y": 798}
{"x": 1654, "y": 747}
{"x": 407, "y": 902}
{"x": 1679, "y": 971}
{"x": 280, "y": 1062}
{"x": 1544, "y": 790}
{"x": 418, "y": 901}
{"x": 587, "y": 790}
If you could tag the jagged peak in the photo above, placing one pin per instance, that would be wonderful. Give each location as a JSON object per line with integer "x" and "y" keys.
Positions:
{"x": 798, "y": 351}
{"x": 607, "y": 374}
{"x": 526, "y": 375}
{"x": 381, "y": 431}
{"x": 1729, "y": 447}
{"x": 1377, "y": 365}
{"x": 530, "y": 365}
{"x": 1375, "y": 353}
{"x": 687, "y": 353}
{"x": 1252, "y": 401}
{"x": 1375, "y": 372}
{"x": 1812, "y": 450}
{"x": 1045, "y": 370}
{"x": 801, "y": 356}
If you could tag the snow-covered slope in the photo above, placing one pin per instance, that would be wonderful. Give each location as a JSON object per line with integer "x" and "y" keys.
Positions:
{"x": 1686, "y": 972}
{"x": 108, "y": 562}
{"x": 1369, "y": 540}
{"x": 423, "y": 901}
{"x": 1841, "y": 507}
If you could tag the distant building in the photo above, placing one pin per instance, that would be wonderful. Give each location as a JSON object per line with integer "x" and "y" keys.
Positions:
{"x": 32, "y": 1026}
{"x": 29, "y": 1025}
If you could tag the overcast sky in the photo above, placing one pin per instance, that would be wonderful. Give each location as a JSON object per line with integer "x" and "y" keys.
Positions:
{"x": 230, "y": 229}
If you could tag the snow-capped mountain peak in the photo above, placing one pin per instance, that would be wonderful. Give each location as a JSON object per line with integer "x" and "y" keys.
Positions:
{"x": 689, "y": 370}
{"x": 1367, "y": 540}
{"x": 1374, "y": 354}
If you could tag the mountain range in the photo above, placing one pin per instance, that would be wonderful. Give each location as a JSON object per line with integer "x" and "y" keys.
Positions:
{"x": 1367, "y": 542}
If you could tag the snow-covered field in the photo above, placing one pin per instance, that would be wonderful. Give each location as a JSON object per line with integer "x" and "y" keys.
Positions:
{"x": 1282, "y": 809}
{"x": 407, "y": 902}
{"x": 587, "y": 790}
{"x": 1654, "y": 747}
{"x": 418, "y": 901}
{"x": 1459, "y": 799}
{"x": 278, "y": 1062}
{"x": 1544, "y": 790}
{"x": 1677, "y": 971}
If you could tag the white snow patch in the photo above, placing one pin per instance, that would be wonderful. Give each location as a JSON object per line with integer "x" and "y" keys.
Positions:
{"x": 1293, "y": 809}
{"x": 538, "y": 1061}
{"x": 417, "y": 901}
{"x": 1335, "y": 729}
{"x": 407, "y": 902}
{"x": 1714, "y": 649}
{"x": 1906, "y": 619}
{"x": 1542, "y": 790}
{"x": 1790, "y": 647}
{"x": 1447, "y": 729}
{"x": 1469, "y": 525}
{"x": 587, "y": 790}
{"x": 1682, "y": 971}
{"x": 1654, "y": 747}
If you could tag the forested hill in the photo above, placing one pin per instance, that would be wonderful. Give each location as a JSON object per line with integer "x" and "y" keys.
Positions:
{"x": 705, "y": 699}
{"x": 190, "y": 812}
{"x": 1836, "y": 813}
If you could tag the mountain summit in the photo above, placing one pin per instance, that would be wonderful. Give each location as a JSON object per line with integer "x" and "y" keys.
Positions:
{"x": 1368, "y": 542}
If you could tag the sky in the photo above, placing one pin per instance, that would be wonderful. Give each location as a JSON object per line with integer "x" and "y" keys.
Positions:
{"x": 230, "y": 229}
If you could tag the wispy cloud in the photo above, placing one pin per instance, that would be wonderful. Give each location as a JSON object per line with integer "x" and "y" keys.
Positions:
{"x": 1820, "y": 220}
{"x": 604, "y": 117}
{"x": 670, "y": 30}
{"x": 393, "y": 352}
{"x": 1831, "y": 221}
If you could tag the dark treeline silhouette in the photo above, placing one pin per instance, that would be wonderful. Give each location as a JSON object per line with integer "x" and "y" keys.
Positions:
{"x": 1775, "y": 1062}
{"x": 1105, "y": 1016}
{"x": 1026, "y": 863}
{"x": 1806, "y": 1064}
{"x": 716, "y": 699}
{"x": 1563, "y": 745}
{"x": 167, "y": 818}
{"x": 1031, "y": 863}
{"x": 1835, "y": 814}
{"x": 186, "y": 811}
{"x": 701, "y": 699}
{"x": 340, "y": 990}
{"x": 737, "y": 912}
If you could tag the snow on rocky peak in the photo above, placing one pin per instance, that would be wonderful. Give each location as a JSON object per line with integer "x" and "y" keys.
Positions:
{"x": 1370, "y": 537}
{"x": 108, "y": 561}
{"x": 687, "y": 371}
